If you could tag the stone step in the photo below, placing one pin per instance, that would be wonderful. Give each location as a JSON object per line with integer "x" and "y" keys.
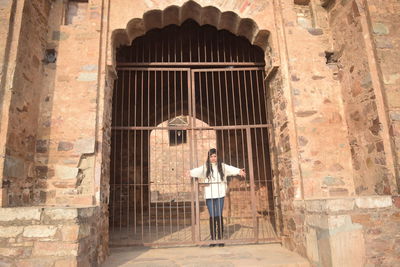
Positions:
{"x": 273, "y": 255}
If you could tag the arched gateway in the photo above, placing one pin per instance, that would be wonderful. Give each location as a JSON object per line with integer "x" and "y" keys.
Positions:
{"x": 182, "y": 90}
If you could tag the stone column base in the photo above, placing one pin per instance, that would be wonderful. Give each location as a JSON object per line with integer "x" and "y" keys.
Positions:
{"x": 361, "y": 231}
{"x": 46, "y": 236}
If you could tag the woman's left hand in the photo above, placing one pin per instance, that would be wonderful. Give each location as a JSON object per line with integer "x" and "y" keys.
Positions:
{"x": 242, "y": 173}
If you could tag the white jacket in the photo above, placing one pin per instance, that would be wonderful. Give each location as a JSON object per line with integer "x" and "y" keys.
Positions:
{"x": 216, "y": 187}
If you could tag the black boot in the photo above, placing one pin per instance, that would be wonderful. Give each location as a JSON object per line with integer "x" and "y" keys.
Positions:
{"x": 212, "y": 229}
{"x": 220, "y": 229}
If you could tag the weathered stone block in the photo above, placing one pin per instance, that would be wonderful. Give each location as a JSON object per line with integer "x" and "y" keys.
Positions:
{"x": 40, "y": 231}
{"x": 85, "y": 145}
{"x": 60, "y": 214}
{"x": 70, "y": 262}
{"x": 70, "y": 233}
{"x": 60, "y": 36}
{"x": 60, "y": 249}
{"x": 340, "y": 204}
{"x": 12, "y": 252}
{"x": 10, "y": 231}
{"x": 65, "y": 146}
{"x": 87, "y": 77}
{"x": 374, "y": 202}
{"x": 22, "y": 214}
{"x": 380, "y": 28}
{"x": 65, "y": 172}
{"x": 14, "y": 167}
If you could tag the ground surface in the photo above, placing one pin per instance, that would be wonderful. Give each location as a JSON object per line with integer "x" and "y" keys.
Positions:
{"x": 235, "y": 256}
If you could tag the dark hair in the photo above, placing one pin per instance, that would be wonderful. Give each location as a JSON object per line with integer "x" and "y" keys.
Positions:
{"x": 213, "y": 151}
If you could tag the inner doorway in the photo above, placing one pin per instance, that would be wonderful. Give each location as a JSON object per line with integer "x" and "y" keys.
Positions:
{"x": 182, "y": 90}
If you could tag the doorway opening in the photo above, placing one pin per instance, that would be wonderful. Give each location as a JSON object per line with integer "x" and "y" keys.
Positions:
{"x": 182, "y": 90}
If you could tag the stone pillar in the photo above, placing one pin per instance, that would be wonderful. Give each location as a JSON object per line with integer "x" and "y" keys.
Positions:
{"x": 352, "y": 231}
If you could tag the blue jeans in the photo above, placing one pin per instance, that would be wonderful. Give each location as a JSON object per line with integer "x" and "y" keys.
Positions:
{"x": 215, "y": 206}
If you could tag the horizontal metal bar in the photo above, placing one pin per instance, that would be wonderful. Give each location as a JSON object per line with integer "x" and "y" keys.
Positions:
{"x": 230, "y": 127}
{"x": 229, "y": 69}
{"x": 191, "y": 64}
{"x": 239, "y": 241}
{"x": 150, "y": 244}
{"x": 153, "y": 69}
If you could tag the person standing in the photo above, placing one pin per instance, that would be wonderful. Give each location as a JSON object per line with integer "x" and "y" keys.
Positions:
{"x": 215, "y": 172}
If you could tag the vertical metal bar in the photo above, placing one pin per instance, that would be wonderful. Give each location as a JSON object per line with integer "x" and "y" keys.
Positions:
{"x": 141, "y": 154}
{"x": 122, "y": 162}
{"x": 228, "y": 132}
{"x": 255, "y": 131}
{"x": 190, "y": 92}
{"x": 129, "y": 165}
{"x": 193, "y": 89}
{"x": 162, "y": 147}
{"x": 246, "y": 97}
{"x": 234, "y": 114}
{"x": 176, "y": 154}
{"x": 251, "y": 172}
{"x": 243, "y": 138}
{"x": 155, "y": 151}
{"x": 134, "y": 155}
{"x": 262, "y": 142}
{"x": 148, "y": 150}
{"x": 169, "y": 149}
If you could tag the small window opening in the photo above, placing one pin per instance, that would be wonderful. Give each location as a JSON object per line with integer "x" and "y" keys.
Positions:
{"x": 177, "y": 137}
{"x": 50, "y": 56}
{"x": 331, "y": 57}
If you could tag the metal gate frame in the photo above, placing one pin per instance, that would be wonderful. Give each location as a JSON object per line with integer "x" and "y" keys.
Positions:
{"x": 191, "y": 128}
{"x": 247, "y": 129}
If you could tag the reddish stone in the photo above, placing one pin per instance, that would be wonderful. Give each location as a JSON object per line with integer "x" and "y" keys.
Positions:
{"x": 396, "y": 201}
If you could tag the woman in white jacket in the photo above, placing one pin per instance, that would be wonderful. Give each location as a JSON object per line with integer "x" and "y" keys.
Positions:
{"x": 215, "y": 172}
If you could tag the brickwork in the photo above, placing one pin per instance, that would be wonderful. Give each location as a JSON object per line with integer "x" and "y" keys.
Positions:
{"x": 365, "y": 134}
{"x": 51, "y": 236}
{"x": 385, "y": 27}
{"x": 19, "y": 171}
{"x": 365, "y": 225}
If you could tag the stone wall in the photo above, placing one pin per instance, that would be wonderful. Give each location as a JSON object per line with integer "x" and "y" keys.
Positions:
{"x": 314, "y": 106}
{"x": 19, "y": 175}
{"x": 371, "y": 175}
{"x": 68, "y": 108}
{"x": 385, "y": 24}
{"x": 50, "y": 236}
{"x": 353, "y": 231}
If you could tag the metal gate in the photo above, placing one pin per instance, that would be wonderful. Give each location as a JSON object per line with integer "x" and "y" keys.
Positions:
{"x": 164, "y": 122}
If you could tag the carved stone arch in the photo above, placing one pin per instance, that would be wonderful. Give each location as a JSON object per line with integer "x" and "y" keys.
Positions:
{"x": 210, "y": 15}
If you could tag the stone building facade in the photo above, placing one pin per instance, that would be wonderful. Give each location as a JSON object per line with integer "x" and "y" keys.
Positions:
{"x": 333, "y": 76}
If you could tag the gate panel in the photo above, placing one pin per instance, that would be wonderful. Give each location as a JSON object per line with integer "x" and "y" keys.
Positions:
{"x": 233, "y": 102}
{"x": 165, "y": 121}
{"x": 151, "y": 197}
